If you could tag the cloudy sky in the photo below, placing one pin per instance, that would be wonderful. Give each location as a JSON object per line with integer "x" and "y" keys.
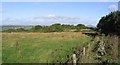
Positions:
{"x": 47, "y": 13}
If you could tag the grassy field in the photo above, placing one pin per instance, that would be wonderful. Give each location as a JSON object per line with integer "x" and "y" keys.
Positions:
{"x": 40, "y": 47}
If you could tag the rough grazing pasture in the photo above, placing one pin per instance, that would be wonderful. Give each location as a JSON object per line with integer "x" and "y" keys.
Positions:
{"x": 40, "y": 47}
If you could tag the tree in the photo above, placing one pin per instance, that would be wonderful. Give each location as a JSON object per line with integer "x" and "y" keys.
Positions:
{"x": 38, "y": 27}
{"x": 110, "y": 23}
{"x": 80, "y": 26}
{"x": 21, "y": 30}
{"x": 56, "y": 28}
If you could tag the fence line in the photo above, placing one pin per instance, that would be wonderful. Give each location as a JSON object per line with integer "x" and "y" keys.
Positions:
{"x": 78, "y": 54}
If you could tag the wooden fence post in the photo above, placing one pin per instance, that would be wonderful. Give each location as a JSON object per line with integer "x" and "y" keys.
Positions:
{"x": 74, "y": 59}
{"x": 83, "y": 50}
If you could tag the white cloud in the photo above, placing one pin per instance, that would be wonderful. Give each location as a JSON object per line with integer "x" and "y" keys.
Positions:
{"x": 112, "y": 8}
{"x": 51, "y": 15}
{"x": 49, "y": 19}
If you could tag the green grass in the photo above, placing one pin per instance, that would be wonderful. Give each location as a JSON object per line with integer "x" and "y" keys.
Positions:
{"x": 40, "y": 47}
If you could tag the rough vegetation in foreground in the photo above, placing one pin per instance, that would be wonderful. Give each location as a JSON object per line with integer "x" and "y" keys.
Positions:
{"x": 59, "y": 47}
{"x": 41, "y": 47}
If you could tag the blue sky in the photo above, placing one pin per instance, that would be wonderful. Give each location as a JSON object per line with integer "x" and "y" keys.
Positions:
{"x": 119, "y": 6}
{"x": 47, "y": 13}
{"x": 59, "y": 0}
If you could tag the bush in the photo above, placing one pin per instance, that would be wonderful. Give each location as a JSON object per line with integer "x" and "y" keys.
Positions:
{"x": 110, "y": 23}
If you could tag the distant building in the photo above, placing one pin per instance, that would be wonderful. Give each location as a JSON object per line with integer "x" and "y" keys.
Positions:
{"x": 119, "y": 5}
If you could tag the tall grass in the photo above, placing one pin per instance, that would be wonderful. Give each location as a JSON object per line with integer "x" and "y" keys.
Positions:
{"x": 40, "y": 47}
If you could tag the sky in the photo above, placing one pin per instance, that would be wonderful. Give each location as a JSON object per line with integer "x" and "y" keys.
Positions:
{"x": 59, "y": 0}
{"x": 119, "y": 6}
{"x": 47, "y": 13}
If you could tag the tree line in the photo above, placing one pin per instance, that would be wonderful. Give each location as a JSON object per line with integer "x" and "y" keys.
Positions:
{"x": 52, "y": 28}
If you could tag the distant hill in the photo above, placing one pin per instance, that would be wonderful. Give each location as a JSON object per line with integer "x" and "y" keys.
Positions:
{"x": 6, "y": 27}
{"x": 90, "y": 26}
